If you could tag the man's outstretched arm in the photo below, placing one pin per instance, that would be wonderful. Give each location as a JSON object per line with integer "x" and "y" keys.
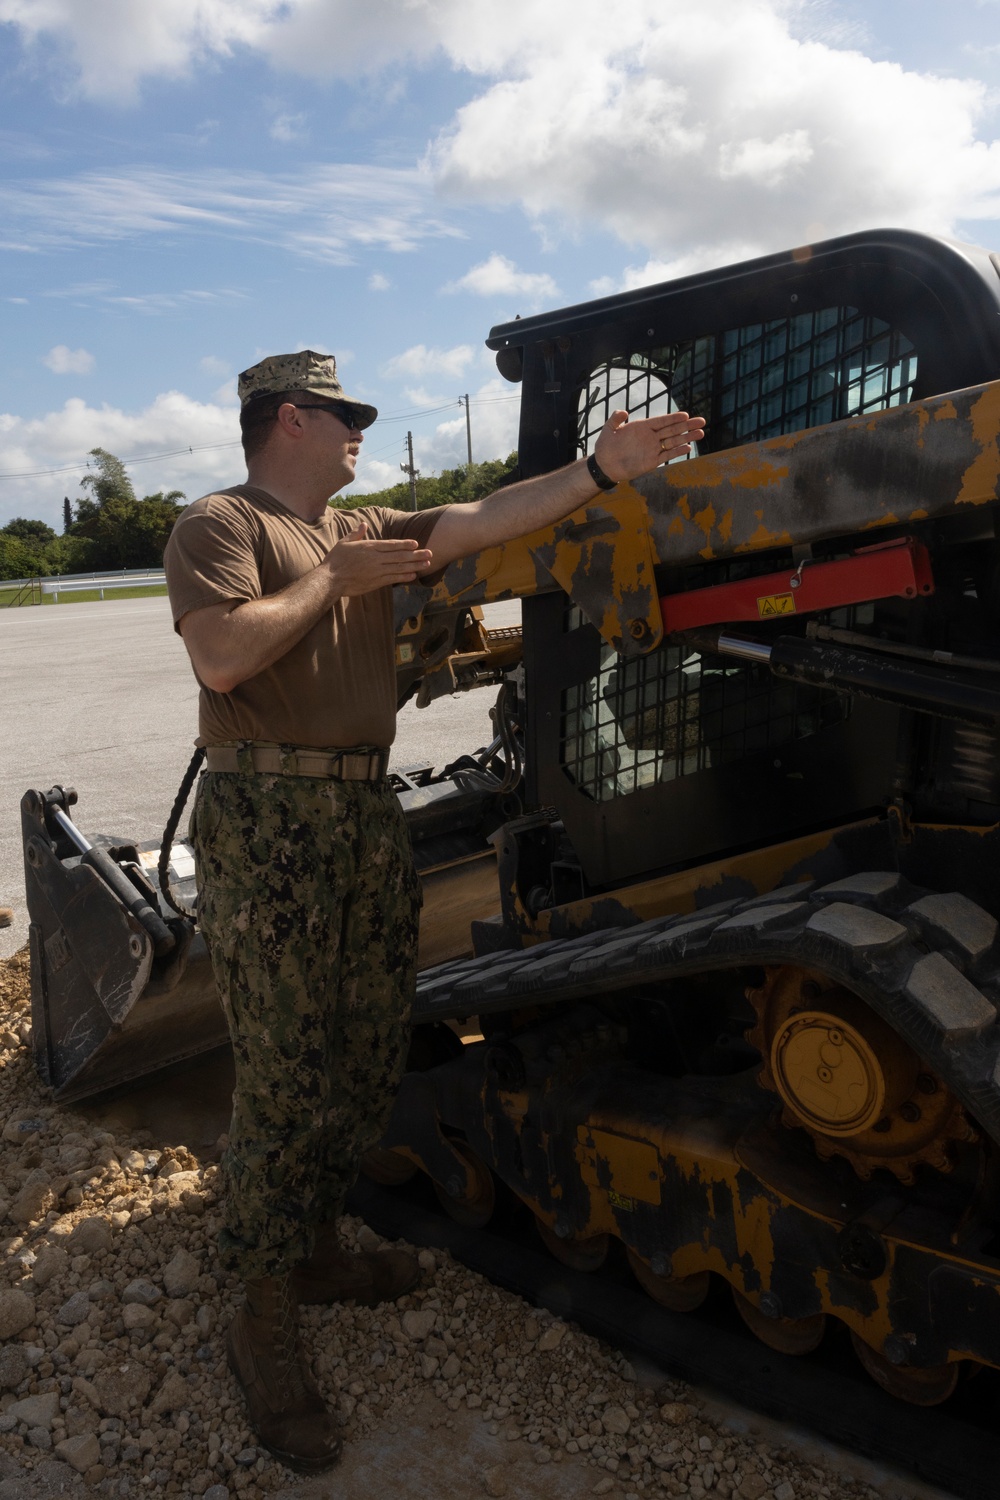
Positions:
{"x": 624, "y": 450}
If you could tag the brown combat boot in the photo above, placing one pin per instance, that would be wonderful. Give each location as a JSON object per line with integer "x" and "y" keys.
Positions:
{"x": 333, "y": 1274}
{"x": 287, "y": 1411}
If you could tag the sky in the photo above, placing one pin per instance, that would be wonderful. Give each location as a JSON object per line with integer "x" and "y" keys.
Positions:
{"x": 190, "y": 185}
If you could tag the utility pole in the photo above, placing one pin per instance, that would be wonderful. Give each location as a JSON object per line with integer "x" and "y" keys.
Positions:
{"x": 408, "y": 468}
{"x": 468, "y": 424}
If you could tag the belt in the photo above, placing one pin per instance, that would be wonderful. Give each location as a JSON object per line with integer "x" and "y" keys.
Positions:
{"x": 293, "y": 760}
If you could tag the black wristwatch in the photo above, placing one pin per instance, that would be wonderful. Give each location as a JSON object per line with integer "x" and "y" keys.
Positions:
{"x": 597, "y": 474}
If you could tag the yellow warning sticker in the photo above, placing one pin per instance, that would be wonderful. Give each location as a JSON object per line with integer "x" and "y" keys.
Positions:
{"x": 775, "y": 604}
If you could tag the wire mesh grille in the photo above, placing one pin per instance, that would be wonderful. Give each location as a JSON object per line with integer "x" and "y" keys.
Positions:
{"x": 674, "y": 713}
{"x": 761, "y": 380}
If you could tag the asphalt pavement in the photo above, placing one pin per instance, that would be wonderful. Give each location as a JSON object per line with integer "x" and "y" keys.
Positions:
{"x": 101, "y": 697}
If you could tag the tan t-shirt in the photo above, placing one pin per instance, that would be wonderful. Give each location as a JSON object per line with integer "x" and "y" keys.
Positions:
{"x": 337, "y": 687}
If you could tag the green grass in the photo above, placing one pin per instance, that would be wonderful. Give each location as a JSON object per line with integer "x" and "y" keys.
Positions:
{"x": 87, "y": 596}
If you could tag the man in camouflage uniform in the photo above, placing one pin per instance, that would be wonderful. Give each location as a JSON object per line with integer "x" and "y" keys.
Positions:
{"x": 308, "y": 897}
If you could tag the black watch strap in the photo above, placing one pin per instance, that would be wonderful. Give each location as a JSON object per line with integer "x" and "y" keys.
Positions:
{"x": 597, "y": 474}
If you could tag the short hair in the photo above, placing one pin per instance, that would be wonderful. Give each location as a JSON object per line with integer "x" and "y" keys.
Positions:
{"x": 257, "y": 417}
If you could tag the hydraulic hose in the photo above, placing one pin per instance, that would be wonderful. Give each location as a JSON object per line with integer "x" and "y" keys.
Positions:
{"x": 180, "y": 802}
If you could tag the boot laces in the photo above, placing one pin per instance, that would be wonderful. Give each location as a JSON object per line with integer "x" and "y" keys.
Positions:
{"x": 286, "y": 1336}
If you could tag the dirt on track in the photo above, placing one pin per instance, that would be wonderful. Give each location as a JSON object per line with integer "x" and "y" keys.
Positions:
{"x": 113, "y": 1379}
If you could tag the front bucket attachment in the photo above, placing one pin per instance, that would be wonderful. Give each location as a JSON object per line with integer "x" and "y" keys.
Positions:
{"x": 106, "y": 1010}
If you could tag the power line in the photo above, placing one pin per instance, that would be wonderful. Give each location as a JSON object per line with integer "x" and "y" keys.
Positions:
{"x": 144, "y": 458}
{"x": 150, "y": 458}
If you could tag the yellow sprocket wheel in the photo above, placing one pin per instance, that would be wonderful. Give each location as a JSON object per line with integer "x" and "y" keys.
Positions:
{"x": 844, "y": 1075}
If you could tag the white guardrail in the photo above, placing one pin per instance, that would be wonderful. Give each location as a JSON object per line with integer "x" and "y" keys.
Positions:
{"x": 19, "y": 583}
{"x": 100, "y": 582}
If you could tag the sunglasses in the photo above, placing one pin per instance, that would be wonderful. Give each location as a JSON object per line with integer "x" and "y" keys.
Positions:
{"x": 342, "y": 413}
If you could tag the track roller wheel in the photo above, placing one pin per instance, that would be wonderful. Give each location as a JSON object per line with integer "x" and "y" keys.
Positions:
{"x": 927, "y": 1386}
{"x": 785, "y": 1335}
{"x": 678, "y": 1293}
{"x": 387, "y": 1168}
{"x": 579, "y": 1254}
{"x": 472, "y": 1210}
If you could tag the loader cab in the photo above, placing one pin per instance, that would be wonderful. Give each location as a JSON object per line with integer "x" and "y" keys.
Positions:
{"x": 678, "y": 758}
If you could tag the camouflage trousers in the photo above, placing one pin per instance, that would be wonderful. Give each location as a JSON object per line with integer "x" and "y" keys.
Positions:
{"x": 309, "y": 903}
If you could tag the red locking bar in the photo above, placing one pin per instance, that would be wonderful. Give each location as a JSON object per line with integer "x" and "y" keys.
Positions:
{"x": 897, "y": 569}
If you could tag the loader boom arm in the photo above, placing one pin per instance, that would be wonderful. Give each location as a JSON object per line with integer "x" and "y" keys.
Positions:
{"x": 897, "y": 467}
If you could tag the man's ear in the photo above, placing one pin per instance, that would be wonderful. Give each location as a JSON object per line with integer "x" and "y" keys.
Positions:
{"x": 289, "y": 419}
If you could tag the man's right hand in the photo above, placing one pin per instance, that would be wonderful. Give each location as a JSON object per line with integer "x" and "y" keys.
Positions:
{"x": 358, "y": 564}
{"x": 230, "y": 642}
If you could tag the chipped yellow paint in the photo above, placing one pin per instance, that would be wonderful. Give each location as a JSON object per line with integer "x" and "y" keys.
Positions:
{"x": 753, "y": 467}
{"x": 753, "y": 1230}
{"x": 990, "y": 830}
{"x": 676, "y": 527}
{"x": 633, "y": 1165}
{"x": 726, "y": 526}
{"x": 981, "y": 480}
{"x": 632, "y": 562}
{"x": 758, "y": 871}
{"x": 763, "y": 538}
{"x": 760, "y": 476}
{"x": 705, "y": 519}
{"x": 625, "y": 1160}
{"x": 516, "y": 577}
{"x": 945, "y": 412}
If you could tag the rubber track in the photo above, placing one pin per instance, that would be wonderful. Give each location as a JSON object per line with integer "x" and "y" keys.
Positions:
{"x": 953, "y": 1447}
{"x": 928, "y": 962}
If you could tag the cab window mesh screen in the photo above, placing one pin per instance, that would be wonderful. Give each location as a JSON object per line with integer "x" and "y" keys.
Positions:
{"x": 761, "y": 380}
{"x": 676, "y": 713}
{"x": 673, "y": 713}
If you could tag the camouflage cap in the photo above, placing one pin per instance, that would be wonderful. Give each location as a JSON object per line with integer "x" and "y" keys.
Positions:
{"x": 304, "y": 371}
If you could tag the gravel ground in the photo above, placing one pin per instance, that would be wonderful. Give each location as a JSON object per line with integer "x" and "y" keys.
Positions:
{"x": 113, "y": 1380}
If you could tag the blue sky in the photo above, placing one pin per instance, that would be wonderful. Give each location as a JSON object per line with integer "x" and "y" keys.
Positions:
{"x": 192, "y": 184}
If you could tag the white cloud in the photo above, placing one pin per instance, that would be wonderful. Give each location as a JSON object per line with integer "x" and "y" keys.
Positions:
{"x": 227, "y": 393}
{"x": 499, "y": 277}
{"x": 378, "y": 283}
{"x": 701, "y": 258}
{"x": 173, "y": 424}
{"x": 420, "y": 361}
{"x": 211, "y": 364}
{"x": 747, "y": 127}
{"x": 767, "y": 163}
{"x": 418, "y": 395}
{"x": 109, "y": 46}
{"x": 732, "y": 131}
{"x": 288, "y": 128}
{"x": 324, "y": 212}
{"x": 65, "y": 361}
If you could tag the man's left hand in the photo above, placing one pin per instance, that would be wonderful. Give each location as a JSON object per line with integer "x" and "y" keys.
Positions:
{"x": 627, "y": 449}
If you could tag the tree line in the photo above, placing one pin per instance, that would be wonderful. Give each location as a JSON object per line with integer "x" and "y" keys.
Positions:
{"x": 109, "y": 526}
{"x": 467, "y": 482}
